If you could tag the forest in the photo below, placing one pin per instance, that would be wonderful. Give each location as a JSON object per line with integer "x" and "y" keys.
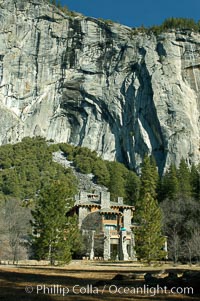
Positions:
{"x": 34, "y": 190}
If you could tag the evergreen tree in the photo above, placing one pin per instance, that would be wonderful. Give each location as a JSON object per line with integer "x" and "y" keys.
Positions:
{"x": 30, "y": 165}
{"x": 52, "y": 240}
{"x": 65, "y": 9}
{"x": 170, "y": 184}
{"x": 195, "y": 182}
{"x": 59, "y": 5}
{"x": 74, "y": 235}
{"x": 53, "y": 2}
{"x": 185, "y": 188}
{"x": 118, "y": 173}
{"x": 132, "y": 187}
{"x": 149, "y": 178}
{"x": 101, "y": 172}
{"x": 84, "y": 159}
{"x": 149, "y": 239}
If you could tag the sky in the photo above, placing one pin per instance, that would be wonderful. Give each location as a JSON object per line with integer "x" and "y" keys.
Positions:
{"x": 135, "y": 13}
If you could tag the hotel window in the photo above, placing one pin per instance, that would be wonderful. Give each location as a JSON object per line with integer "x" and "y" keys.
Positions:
{"x": 110, "y": 227}
{"x": 112, "y": 217}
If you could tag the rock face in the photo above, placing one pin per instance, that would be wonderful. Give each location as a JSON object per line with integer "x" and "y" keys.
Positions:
{"x": 86, "y": 182}
{"x": 84, "y": 81}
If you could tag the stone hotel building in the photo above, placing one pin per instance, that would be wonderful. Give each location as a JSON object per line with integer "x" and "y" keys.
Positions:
{"x": 106, "y": 226}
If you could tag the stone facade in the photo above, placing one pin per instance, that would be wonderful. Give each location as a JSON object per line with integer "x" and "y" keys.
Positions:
{"x": 106, "y": 226}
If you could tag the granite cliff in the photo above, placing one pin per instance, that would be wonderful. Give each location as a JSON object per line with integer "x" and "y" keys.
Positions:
{"x": 98, "y": 84}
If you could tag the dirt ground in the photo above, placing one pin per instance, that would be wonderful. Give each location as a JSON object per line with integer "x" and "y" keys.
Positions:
{"x": 87, "y": 281}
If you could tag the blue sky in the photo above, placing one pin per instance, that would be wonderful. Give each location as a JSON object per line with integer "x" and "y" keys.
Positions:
{"x": 136, "y": 12}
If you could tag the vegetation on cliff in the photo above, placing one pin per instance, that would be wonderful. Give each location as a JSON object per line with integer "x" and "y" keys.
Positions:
{"x": 174, "y": 24}
{"x": 168, "y": 24}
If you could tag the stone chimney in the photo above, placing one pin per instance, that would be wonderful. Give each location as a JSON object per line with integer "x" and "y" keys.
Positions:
{"x": 105, "y": 199}
{"x": 120, "y": 200}
{"x": 82, "y": 197}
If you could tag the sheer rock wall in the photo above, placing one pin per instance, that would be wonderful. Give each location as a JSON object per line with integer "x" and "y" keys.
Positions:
{"x": 87, "y": 82}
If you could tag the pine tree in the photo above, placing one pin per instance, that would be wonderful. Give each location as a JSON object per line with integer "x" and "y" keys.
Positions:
{"x": 170, "y": 184}
{"x": 53, "y": 2}
{"x": 101, "y": 172}
{"x": 149, "y": 239}
{"x": 118, "y": 174}
{"x": 59, "y": 5}
{"x": 195, "y": 181}
{"x": 185, "y": 188}
{"x": 132, "y": 186}
{"x": 52, "y": 240}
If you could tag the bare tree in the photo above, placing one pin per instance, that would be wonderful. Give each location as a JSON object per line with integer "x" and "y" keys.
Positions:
{"x": 192, "y": 246}
{"x": 181, "y": 218}
{"x": 174, "y": 246}
{"x": 188, "y": 249}
{"x": 14, "y": 228}
{"x": 195, "y": 242}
